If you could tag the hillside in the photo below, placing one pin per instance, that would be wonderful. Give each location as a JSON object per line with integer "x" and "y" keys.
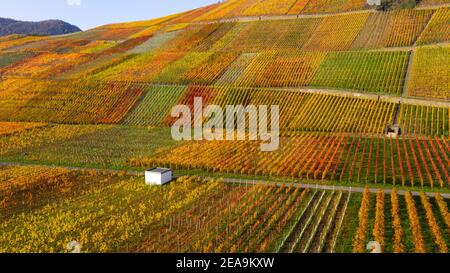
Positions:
{"x": 83, "y": 115}
{"x": 49, "y": 27}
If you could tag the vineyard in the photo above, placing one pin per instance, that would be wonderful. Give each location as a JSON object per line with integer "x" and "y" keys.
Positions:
{"x": 7, "y": 128}
{"x": 55, "y": 101}
{"x": 378, "y": 72}
{"x": 223, "y": 217}
{"x": 426, "y": 82}
{"x": 418, "y": 229}
{"x": 363, "y": 94}
{"x": 350, "y": 159}
{"x": 243, "y": 8}
{"x": 435, "y": 31}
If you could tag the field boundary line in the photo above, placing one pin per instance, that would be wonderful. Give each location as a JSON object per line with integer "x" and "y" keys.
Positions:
{"x": 243, "y": 181}
{"x": 305, "y": 89}
{"x": 301, "y": 16}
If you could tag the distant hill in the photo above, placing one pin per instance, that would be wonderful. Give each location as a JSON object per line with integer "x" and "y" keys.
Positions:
{"x": 49, "y": 27}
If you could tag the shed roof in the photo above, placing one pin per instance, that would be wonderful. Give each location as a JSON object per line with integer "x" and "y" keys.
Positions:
{"x": 159, "y": 170}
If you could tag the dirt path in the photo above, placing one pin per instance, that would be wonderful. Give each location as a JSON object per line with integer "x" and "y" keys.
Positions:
{"x": 383, "y": 97}
{"x": 239, "y": 180}
{"x": 302, "y": 16}
{"x": 433, "y": 6}
{"x": 324, "y": 91}
{"x": 328, "y": 187}
{"x": 407, "y": 48}
{"x": 408, "y": 74}
{"x": 285, "y": 17}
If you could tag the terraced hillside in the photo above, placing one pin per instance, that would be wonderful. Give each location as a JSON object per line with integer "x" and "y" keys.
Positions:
{"x": 97, "y": 104}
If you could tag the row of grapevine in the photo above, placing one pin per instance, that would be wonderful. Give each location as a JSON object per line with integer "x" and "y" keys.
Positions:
{"x": 208, "y": 71}
{"x": 419, "y": 219}
{"x": 298, "y": 7}
{"x": 281, "y": 69}
{"x": 34, "y": 138}
{"x": 437, "y": 29}
{"x": 398, "y": 238}
{"x": 46, "y": 65}
{"x": 336, "y": 32}
{"x": 380, "y": 72}
{"x": 55, "y": 45}
{"x": 360, "y": 239}
{"x": 433, "y": 224}
{"x": 429, "y": 73}
{"x": 227, "y": 9}
{"x": 170, "y": 67}
{"x": 96, "y": 46}
{"x": 416, "y": 229}
{"x": 142, "y": 67}
{"x": 236, "y": 69}
{"x": 314, "y": 225}
{"x": 84, "y": 145}
{"x": 329, "y": 6}
{"x": 206, "y": 93}
{"x": 193, "y": 36}
{"x": 7, "y": 128}
{"x": 216, "y": 37}
{"x": 278, "y": 34}
{"x": 155, "y": 106}
{"x": 192, "y": 15}
{"x": 341, "y": 114}
{"x": 357, "y": 31}
{"x": 424, "y": 120}
{"x": 174, "y": 72}
{"x": 412, "y": 162}
{"x": 392, "y": 29}
{"x": 155, "y": 42}
{"x": 443, "y": 209}
{"x": 55, "y": 101}
{"x": 269, "y": 7}
{"x": 35, "y": 183}
{"x": 125, "y": 46}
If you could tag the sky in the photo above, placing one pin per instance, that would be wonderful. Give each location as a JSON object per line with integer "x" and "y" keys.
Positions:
{"x": 87, "y": 14}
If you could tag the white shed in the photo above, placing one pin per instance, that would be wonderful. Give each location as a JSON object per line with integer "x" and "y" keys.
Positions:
{"x": 158, "y": 176}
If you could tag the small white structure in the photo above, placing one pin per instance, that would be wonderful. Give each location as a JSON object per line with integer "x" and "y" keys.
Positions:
{"x": 158, "y": 176}
{"x": 393, "y": 130}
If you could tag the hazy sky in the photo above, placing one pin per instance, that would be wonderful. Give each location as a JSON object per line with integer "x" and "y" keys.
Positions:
{"x": 91, "y": 13}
